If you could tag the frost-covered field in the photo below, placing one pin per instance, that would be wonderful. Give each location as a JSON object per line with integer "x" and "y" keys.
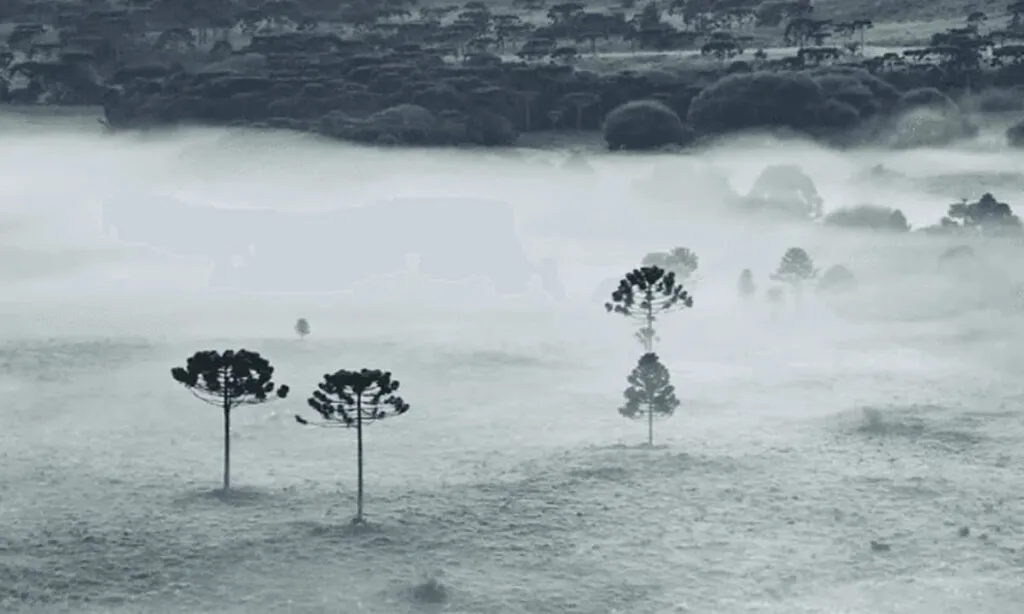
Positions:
{"x": 512, "y": 481}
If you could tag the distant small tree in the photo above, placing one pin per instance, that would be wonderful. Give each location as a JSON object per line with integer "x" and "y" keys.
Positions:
{"x": 746, "y": 286}
{"x": 682, "y": 261}
{"x": 644, "y": 294}
{"x": 228, "y": 380}
{"x": 649, "y": 394}
{"x": 795, "y": 268}
{"x": 302, "y": 327}
{"x": 354, "y": 399}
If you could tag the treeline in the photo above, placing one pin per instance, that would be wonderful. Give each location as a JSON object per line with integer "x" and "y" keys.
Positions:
{"x": 389, "y": 74}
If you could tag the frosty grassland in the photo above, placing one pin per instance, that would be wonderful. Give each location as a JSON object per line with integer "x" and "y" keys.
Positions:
{"x": 512, "y": 481}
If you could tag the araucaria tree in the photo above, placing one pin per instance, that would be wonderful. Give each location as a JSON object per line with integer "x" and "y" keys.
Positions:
{"x": 795, "y": 268}
{"x": 354, "y": 399}
{"x": 646, "y": 293}
{"x": 650, "y": 393}
{"x": 301, "y": 328}
{"x": 229, "y": 380}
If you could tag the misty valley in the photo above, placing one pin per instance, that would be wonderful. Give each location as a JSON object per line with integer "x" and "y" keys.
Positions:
{"x": 771, "y": 376}
{"x": 511, "y": 307}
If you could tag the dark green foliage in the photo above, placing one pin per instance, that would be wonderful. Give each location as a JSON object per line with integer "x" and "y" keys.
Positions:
{"x": 646, "y": 293}
{"x": 757, "y": 100}
{"x": 926, "y": 98}
{"x": 682, "y": 261}
{"x": 868, "y": 217}
{"x": 927, "y": 117}
{"x": 795, "y": 267}
{"x": 861, "y": 90}
{"x": 351, "y": 398}
{"x": 354, "y": 399}
{"x": 228, "y": 380}
{"x": 292, "y": 77}
{"x": 302, "y": 327}
{"x": 650, "y": 393}
{"x": 644, "y": 124}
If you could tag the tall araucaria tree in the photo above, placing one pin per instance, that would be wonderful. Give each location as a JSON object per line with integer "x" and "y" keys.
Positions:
{"x": 646, "y": 293}
{"x": 229, "y": 380}
{"x": 354, "y": 399}
{"x": 650, "y": 393}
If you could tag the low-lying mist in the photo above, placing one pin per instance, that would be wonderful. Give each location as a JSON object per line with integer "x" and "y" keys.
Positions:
{"x": 829, "y": 450}
{"x": 593, "y": 220}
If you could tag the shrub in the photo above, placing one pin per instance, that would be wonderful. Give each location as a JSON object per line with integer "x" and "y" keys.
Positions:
{"x": 858, "y": 88}
{"x": 644, "y": 124}
{"x": 758, "y": 100}
{"x": 1015, "y": 135}
{"x": 869, "y": 217}
{"x": 837, "y": 280}
{"x": 925, "y": 117}
{"x": 926, "y": 98}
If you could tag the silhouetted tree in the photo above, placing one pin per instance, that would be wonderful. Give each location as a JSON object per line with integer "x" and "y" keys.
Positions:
{"x": 987, "y": 216}
{"x": 650, "y": 393}
{"x": 746, "y": 286}
{"x": 646, "y": 293}
{"x": 795, "y": 268}
{"x": 354, "y": 399}
{"x": 228, "y": 380}
{"x": 644, "y": 124}
{"x": 302, "y": 327}
{"x": 682, "y": 261}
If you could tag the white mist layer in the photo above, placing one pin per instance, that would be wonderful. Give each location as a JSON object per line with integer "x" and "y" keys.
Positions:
{"x": 893, "y": 417}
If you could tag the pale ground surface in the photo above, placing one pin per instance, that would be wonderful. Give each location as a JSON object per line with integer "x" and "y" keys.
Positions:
{"x": 512, "y": 481}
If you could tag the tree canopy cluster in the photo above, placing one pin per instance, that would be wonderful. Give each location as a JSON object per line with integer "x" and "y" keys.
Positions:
{"x": 785, "y": 191}
{"x": 395, "y": 73}
{"x": 345, "y": 398}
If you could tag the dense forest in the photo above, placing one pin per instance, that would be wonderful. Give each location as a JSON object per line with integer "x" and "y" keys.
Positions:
{"x": 398, "y": 72}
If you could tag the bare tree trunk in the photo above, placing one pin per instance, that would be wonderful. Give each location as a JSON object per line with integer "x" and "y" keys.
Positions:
{"x": 359, "y": 458}
{"x": 650, "y": 426}
{"x": 649, "y": 337}
{"x": 227, "y": 443}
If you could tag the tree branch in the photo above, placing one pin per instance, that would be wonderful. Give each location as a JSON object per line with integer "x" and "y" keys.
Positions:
{"x": 217, "y": 402}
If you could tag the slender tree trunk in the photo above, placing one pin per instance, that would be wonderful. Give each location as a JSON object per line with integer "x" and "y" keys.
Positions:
{"x": 650, "y": 426}
{"x": 227, "y": 440}
{"x": 649, "y": 333}
{"x": 359, "y": 458}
